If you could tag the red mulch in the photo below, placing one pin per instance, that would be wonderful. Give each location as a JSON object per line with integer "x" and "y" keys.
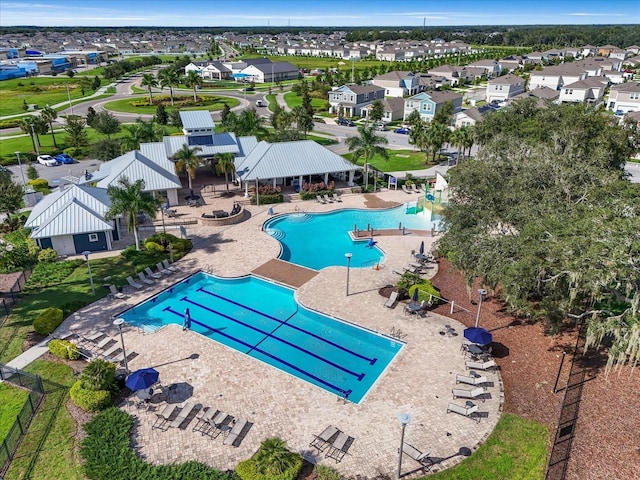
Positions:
{"x": 607, "y": 438}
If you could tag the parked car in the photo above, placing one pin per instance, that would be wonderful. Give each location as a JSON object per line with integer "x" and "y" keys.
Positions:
{"x": 259, "y": 103}
{"x": 63, "y": 158}
{"x": 345, "y": 122}
{"x": 47, "y": 160}
{"x": 403, "y": 130}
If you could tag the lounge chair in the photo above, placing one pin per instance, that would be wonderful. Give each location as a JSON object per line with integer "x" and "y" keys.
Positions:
{"x": 336, "y": 198}
{"x": 340, "y": 447}
{"x": 413, "y": 188}
{"x": 164, "y": 271}
{"x": 102, "y": 344}
{"x": 234, "y": 438}
{"x": 144, "y": 279}
{"x": 108, "y": 353}
{"x": 119, "y": 359}
{"x": 471, "y": 379}
{"x": 469, "y": 410}
{"x": 149, "y": 273}
{"x": 204, "y": 420}
{"x": 169, "y": 267}
{"x": 162, "y": 418}
{"x": 134, "y": 284}
{"x": 319, "y": 199}
{"x": 392, "y": 300}
{"x": 417, "y": 455}
{"x": 327, "y": 199}
{"x": 405, "y": 189}
{"x": 473, "y": 393}
{"x": 485, "y": 365}
{"x": 182, "y": 416}
{"x": 115, "y": 293}
{"x": 219, "y": 423}
{"x": 327, "y": 436}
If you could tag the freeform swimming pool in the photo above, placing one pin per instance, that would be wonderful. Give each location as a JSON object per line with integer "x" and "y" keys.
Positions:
{"x": 263, "y": 320}
{"x": 318, "y": 240}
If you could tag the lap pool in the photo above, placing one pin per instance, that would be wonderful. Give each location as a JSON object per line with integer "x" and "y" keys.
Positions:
{"x": 263, "y": 320}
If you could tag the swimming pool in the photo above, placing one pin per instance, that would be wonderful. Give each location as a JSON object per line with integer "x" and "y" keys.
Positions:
{"x": 263, "y": 320}
{"x": 318, "y": 240}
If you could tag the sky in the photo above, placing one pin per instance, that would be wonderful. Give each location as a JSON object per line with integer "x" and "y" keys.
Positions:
{"x": 317, "y": 13}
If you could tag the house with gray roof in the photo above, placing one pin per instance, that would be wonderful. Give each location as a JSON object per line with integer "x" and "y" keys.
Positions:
{"x": 590, "y": 90}
{"x": 350, "y": 99}
{"x": 625, "y": 97}
{"x": 261, "y": 72}
{"x": 501, "y": 89}
{"x": 393, "y": 108}
{"x": 397, "y": 83}
{"x": 428, "y": 103}
{"x": 542, "y": 95}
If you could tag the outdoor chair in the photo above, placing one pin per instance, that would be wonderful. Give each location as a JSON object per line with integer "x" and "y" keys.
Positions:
{"x": 108, "y": 353}
{"x": 204, "y": 418}
{"x": 134, "y": 284}
{"x": 405, "y": 189}
{"x": 234, "y": 438}
{"x": 169, "y": 267}
{"x": 412, "y": 452}
{"x": 219, "y": 424}
{"x": 340, "y": 447}
{"x": 162, "y": 418}
{"x": 149, "y": 273}
{"x": 484, "y": 365}
{"x": 119, "y": 359}
{"x": 336, "y": 198}
{"x": 473, "y": 393}
{"x": 144, "y": 279}
{"x": 471, "y": 379}
{"x": 182, "y": 416}
{"x": 327, "y": 199}
{"x": 327, "y": 436}
{"x": 115, "y": 293}
{"x": 164, "y": 271}
{"x": 392, "y": 300}
{"x": 469, "y": 410}
{"x": 413, "y": 188}
{"x": 319, "y": 199}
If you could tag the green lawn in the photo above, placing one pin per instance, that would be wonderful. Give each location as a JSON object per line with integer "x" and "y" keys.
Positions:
{"x": 515, "y": 450}
{"x": 294, "y": 100}
{"x": 47, "y": 451}
{"x": 400, "y": 160}
{"x": 40, "y": 90}
{"x": 215, "y": 103}
{"x": 12, "y": 400}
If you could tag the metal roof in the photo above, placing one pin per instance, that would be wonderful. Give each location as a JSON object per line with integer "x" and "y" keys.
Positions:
{"x": 156, "y": 152}
{"x": 290, "y": 159}
{"x": 135, "y": 166}
{"x": 222, "y": 143}
{"x": 74, "y": 217}
{"x": 196, "y": 119}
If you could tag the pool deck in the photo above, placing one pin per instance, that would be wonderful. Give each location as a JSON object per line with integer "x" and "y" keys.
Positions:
{"x": 417, "y": 382}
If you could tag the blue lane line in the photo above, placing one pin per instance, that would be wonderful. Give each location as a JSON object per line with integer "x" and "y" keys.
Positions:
{"x": 359, "y": 376}
{"x": 318, "y": 337}
{"x": 344, "y": 392}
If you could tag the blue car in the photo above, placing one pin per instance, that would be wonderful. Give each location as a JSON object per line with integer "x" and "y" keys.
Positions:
{"x": 63, "y": 158}
{"x": 403, "y": 130}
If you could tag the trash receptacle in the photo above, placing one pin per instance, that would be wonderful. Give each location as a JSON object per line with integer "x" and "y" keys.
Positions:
{"x": 120, "y": 379}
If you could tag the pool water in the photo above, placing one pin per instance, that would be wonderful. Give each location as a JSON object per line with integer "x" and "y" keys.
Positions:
{"x": 263, "y": 320}
{"x": 319, "y": 240}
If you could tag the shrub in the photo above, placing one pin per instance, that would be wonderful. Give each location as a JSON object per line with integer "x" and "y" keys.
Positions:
{"x": 64, "y": 349}
{"x": 425, "y": 292}
{"x": 90, "y": 400}
{"x": 153, "y": 247}
{"x": 39, "y": 184}
{"x": 99, "y": 375}
{"x": 49, "y": 274}
{"x": 47, "y": 321}
{"x": 267, "y": 199}
{"x": 323, "y": 472}
{"x": 48, "y": 255}
{"x": 272, "y": 461}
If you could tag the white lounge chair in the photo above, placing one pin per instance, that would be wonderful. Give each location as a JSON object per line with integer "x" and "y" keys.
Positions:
{"x": 392, "y": 300}
{"x": 134, "y": 284}
{"x": 144, "y": 279}
{"x": 417, "y": 455}
{"x": 405, "y": 189}
{"x": 115, "y": 293}
{"x": 163, "y": 270}
{"x": 336, "y": 198}
{"x": 473, "y": 393}
{"x": 319, "y": 199}
{"x": 413, "y": 188}
{"x": 151, "y": 274}
{"x": 469, "y": 410}
{"x": 339, "y": 447}
{"x": 163, "y": 417}
{"x": 234, "y": 438}
{"x": 169, "y": 267}
{"x": 480, "y": 365}
{"x": 471, "y": 379}
{"x": 182, "y": 416}
{"x": 325, "y": 438}
{"x": 327, "y": 199}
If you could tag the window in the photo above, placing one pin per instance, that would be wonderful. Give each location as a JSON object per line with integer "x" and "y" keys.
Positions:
{"x": 634, "y": 96}
{"x": 568, "y": 91}
{"x": 93, "y": 237}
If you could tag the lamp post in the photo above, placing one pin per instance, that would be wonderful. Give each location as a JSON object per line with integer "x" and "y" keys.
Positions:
{"x": 482, "y": 292}
{"x": 86, "y": 256}
{"x": 404, "y": 419}
{"x": 69, "y": 97}
{"x": 35, "y": 139}
{"x": 164, "y": 228}
{"x": 348, "y": 255}
{"x": 20, "y": 166}
{"x": 257, "y": 192}
{"x": 118, "y": 323}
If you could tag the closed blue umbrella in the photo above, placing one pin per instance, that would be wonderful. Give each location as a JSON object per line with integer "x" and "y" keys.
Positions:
{"x": 142, "y": 379}
{"x": 415, "y": 295}
{"x": 422, "y": 248}
{"x": 478, "y": 335}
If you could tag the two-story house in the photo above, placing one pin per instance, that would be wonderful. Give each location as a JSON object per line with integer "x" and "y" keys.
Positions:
{"x": 397, "y": 83}
{"x": 428, "y": 103}
{"x": 209, "y": 70}
{"x": 625, "y": 98}
{"x": 555, "y": 77}
{"x": 393, "y": 108}
{"x": 590, "y": 90}
{"x": 349, "y": 100}
{"x": 503, "y": 88}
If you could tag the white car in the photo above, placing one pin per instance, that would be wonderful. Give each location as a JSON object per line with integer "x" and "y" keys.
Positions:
{"x": 47, "y": 160}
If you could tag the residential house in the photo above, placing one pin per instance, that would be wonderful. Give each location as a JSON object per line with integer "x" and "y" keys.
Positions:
{"x": 503, "y": 88}
{"x": 490, "y": 67}
{"x": 543, "y": 95}
{"x": 618, "y": 53}
{"x": 428, "y": 103}
{"x": 555, "y": 77}
{"x": 633, "y": 50}
{"x": 471, "y": 116}
{"x": 606, "y": 50}
{"x": 350, "y": 99}
{"x": 393, "y": 109}
{"x": 453, "y": 74}
{"x": 512, "y": 62}
{"x": 426, "y": 81}
{"x": 271, "y": 72}
{"x": 209, "y": 70}
{"x": 397, "y": 83}
{"x": 590, "y": 90}
{"x": 625, "y": 98}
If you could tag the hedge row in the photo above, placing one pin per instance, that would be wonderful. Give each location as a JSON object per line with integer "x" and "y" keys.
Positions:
{"x": 47, "y": 321}
{"x": 90, "y": 400}
{"x": 64, "y": 349}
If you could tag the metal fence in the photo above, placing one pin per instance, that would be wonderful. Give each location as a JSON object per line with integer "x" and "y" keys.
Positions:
{"x": 9, "y": 298}
{"x": 33, "y": 383}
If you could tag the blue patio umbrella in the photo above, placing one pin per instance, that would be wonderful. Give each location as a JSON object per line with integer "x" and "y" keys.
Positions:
{"x": 372, "y": 242}
{"x": 142, "y": 379}
{"x": 422, "y": 248}
{"x": 415, "y": 295}
{"x": 478, "y": 335}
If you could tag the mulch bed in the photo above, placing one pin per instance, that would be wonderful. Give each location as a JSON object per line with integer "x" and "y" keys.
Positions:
{"x": 607, "y": 438}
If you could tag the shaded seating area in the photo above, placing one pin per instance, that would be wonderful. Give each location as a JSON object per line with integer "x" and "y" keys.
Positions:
{"x": 113, "y": 291}
{"x": 133, "y": 283}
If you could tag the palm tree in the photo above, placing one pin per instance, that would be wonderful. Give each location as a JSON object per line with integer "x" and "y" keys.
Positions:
{"x": 48, "y": 114}
{"x": 437, "y": 135}
{"x": 99, "y": 374}
{"x": 169, "y": 77}
{"x": 187, "y": 160}
{"x": 143, "y": 131}
{"x": 457, "y": 140}
{"x": 366, "y": 145}
{"x": 249, "y": 123}
{"x": 130, "y": 199}
{"x": 273, "y": 458}
{"x": 149, "y": 81}
{"x": 225, "y": 165}
{"x": 193, "y": 80}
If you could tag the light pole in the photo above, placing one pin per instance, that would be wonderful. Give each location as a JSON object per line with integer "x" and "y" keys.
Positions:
{"x": 348, "y": 255}
{"x": 164, "y": 229}
{"x": 257, "y": 192}
{"x": 20, "y": 166}
{"x": 69, "y": 97}
{"x": 482, "y": 292}
{"x": 86, "y": 256}
{"x": 118, "y": 323}
{"x": 404, "y": 419}
{"x": 35, "y": 139}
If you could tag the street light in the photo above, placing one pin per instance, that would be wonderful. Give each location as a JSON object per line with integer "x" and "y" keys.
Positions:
{"x": 20, "y": 166}
{"x": 482, "y": 292}
{"x": 86, "y": 256}
{"x": 118, "y": 323}
{"x": 404, "y": 419}
{"x": 348, "y": 255}
{"x": 69, "y": 96}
